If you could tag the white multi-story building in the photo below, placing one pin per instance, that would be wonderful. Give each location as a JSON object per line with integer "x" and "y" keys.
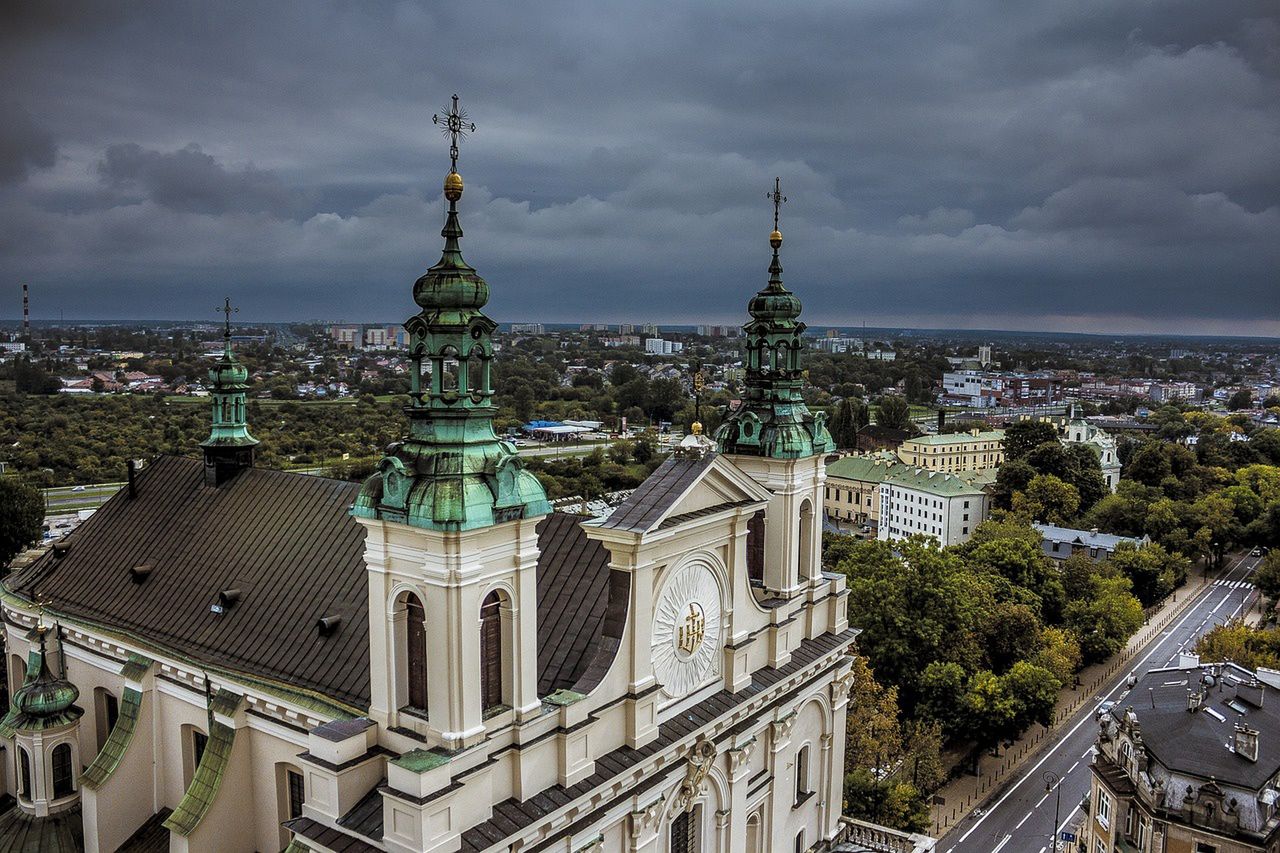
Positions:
{"x": 942, "y": 505}
{"x": 660, "y": 346}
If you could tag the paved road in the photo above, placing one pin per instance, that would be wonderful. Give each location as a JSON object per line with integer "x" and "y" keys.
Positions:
{"x": 1020, "y": 818}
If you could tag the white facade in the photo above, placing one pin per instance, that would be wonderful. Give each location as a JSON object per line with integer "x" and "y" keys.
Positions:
{"x": 944, "y": 506}
{"x": 763, "y": 671}
{"x": 1101, "y": 442}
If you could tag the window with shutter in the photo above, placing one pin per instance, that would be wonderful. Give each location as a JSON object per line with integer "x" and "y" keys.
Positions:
{"x": 416, "y": 653}
{"x": 491, "y": 652}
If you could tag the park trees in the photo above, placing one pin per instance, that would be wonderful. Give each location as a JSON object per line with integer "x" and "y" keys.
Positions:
{"x": 893, "y": 412}
{"x": 21, "y": 516}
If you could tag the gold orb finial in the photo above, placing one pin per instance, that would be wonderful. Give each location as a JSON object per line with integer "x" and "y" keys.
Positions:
{"x": 697, "y": 428}
{"x": 453, "y": 186}
{"x": 775, "y": 239}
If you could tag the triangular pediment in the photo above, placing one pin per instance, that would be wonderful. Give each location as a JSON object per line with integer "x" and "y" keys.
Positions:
{"x": 683, "y": 489}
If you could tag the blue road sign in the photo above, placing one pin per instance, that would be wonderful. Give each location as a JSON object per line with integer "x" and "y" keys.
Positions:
{"x": 1068, "y": 836}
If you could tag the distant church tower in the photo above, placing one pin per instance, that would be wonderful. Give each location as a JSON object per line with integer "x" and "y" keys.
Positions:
{"x": 452, "y": 516}
{"x": 229, "y": 447}
{"x": 774, "y": 437}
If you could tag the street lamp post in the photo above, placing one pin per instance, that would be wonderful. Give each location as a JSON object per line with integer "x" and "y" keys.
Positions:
{"x": 1051, "y": 781}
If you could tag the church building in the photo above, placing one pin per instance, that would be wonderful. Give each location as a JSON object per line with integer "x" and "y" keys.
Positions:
{"x": 229, "y": 658}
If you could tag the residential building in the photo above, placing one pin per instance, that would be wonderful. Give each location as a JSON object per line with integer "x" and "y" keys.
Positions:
{"x": 528, "y": 329}
{"x": 433, "y": 660}
{"x": 1061, "y": 542}
{"x": 955, "y": 451}
{"x": 1188, "y": 764}
{"x": 984, "y": 355}
{"x": 943, "y": 505}
{"x": 659, "y": 346}
{"x": 347, "y": 337}
{"x": 1168, "y": 392}
{"x": 852, "y": 492}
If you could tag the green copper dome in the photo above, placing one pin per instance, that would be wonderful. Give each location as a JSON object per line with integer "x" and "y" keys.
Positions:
{"x": 773, "y": 420}
{"x": 451, "y": 472}
{"x": 44, "y": 700}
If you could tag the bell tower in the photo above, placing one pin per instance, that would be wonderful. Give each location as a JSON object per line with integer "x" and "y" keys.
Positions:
{"x": 229, "y": 447}
{"x": 774, "y": 437}
{"x": 451, "y": 513}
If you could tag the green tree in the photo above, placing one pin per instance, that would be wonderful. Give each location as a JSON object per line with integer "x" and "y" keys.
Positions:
{"x": 1059, "y": 653}
{"x": 1047, "y": 499}
{"x": 21, "y": 517}
{"x": 942, "y": 689}
{"x": 1024, "y": 436}
{"x": 893, "y": 412}
{"x": 1011, "y": 477}
{"x": 1152, "y": 570}
{"x": 1242, "y": 399}
{"x": 1106, "y": 620}
{"x": 1267, "y": 577}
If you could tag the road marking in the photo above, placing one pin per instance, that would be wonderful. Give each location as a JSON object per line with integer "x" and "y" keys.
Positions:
{"x": 1024, "y": 820}
{"x": 1073, "y": 767}
{"x": 1087, "y": 718}
{"x": 1001, "y": 845}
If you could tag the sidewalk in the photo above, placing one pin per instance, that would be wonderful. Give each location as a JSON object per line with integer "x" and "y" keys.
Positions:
{"x": 963, "y": 794}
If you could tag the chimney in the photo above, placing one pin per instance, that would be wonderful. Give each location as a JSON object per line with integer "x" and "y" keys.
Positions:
{"x": 1251, "y": 691}
{"x": 1245, "y": 742}
{"x": 1194, "y": 700}
{"x": 134, "y": 466}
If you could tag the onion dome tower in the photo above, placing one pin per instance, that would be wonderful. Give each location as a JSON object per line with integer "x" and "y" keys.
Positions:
{"x": 451, "y": 472}
{"x": 229, "y": 447}
{"x": 773, "y": 420}
{"x": 43, "y": 723}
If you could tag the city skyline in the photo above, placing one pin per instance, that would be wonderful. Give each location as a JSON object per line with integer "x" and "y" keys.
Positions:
{"x": 1097, "y": 169}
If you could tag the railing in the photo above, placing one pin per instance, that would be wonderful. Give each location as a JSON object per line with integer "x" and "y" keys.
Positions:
{"x": 883, "y": 839}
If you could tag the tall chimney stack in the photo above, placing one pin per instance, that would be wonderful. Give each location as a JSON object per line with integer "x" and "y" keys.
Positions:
{"x": 26, "y": 313}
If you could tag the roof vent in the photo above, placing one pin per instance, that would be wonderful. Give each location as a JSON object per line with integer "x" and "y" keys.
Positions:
{"x": 328, "y": 625}
{"x": 1244, "y": 741}
{"x": 61, "y": 548}
{"x": 228, "y": 597}
{"x": 141, "y": 573}
{"x": 1194, "y": 700}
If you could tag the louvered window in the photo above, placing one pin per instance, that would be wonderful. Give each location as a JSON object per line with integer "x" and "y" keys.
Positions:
{"x": 755, "y": 548}
{"x": 491, "y": 652}
{"x": 416, "y": 657}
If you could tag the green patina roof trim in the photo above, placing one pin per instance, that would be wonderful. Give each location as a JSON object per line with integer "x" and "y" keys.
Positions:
{"x": 308, "y": 699}
{"x": 136, "y": 667}
{"x": 941, "y": 483}
{"x": 205, "y": 784}
{"x": 421, "y": 760}
{"x": 296, "y": 846}
{"x": 108, "y": 758}
{"x": 225, "y": 702}
{"x": 866, "y": 469}
{"x": 564, "y": 697}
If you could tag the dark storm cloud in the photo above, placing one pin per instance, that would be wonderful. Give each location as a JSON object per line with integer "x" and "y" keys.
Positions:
{"x": 24, "y": 145}
{"x": 1085, "y": 165}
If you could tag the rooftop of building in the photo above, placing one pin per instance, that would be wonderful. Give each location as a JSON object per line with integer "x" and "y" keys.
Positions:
{"x": 1199, "y": 743}
{"x": 1091, "y": 538}
{"x": 871, "y": 468}
{"x": 942, "y": 483}
{"x": 237, "y": 577}
{"x": 950, "y": 438}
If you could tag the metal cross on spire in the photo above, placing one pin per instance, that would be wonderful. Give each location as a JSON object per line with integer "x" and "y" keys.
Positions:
{"x": 454, "y": 125}
{"x": 226, "y": 309}
{"x": 778, "y": 198}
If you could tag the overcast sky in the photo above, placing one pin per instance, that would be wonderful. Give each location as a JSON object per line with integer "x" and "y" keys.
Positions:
{"x": 1091, "y": 165}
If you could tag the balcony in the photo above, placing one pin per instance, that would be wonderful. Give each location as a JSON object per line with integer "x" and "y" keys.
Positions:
{"x": 858, "y": 836}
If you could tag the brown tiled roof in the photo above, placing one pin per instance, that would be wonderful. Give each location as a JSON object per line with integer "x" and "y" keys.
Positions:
{"x": 573, "y": 591}
{"x": 287, "y": 543}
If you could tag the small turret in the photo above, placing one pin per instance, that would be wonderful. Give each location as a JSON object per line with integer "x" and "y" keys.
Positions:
{"x": 229, "y": 447}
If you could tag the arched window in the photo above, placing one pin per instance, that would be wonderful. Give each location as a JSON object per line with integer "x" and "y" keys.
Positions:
{"x": 63, "y": 777}
{"x": 800, "y": 845}
{"x": 24, "y": 774}
{"x": 491, "y": 651}
{"x": 753, "y": 833}
{"x": 755, "y": 548}
{"x": 684, "y": 831}
{"x": 806, "y": 541}
{"x": 802, "y": 774}
{"x": 106, "y": 712}
{"x": 415, "y": 635}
